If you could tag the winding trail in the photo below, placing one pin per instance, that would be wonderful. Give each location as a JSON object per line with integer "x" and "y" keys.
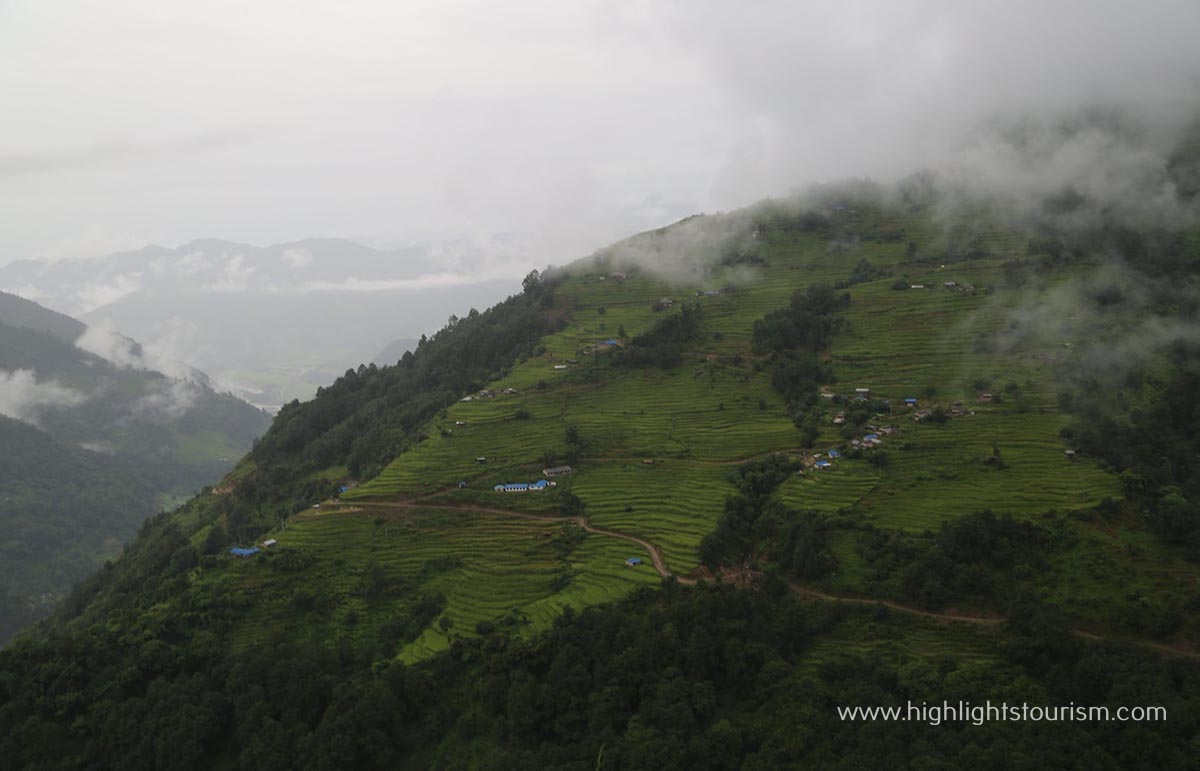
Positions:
{"x": 804, "y": 591}
{"x": 660, "y": 565}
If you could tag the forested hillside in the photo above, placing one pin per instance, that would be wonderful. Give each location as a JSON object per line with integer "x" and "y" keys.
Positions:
{"x": 91, "y": 448}
{"x": 65, "y": 510}
{"x": 674, "y": 504}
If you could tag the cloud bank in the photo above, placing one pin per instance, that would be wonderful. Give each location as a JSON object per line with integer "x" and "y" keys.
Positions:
{"x": 23, "y": 397}
{"x": 104, "y": 341}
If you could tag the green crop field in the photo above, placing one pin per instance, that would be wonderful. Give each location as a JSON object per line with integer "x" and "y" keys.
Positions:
{"x": 489, "y": 567}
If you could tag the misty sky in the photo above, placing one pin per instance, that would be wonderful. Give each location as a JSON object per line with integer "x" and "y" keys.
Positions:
{"x": 568, "y": 124}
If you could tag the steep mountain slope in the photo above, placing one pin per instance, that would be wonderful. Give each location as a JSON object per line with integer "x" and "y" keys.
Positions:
{"x": 842, "y": 397}
{"x": 181, "y": 432}
{"x": 19, "y": 312}
{"x": 101, "y": 447}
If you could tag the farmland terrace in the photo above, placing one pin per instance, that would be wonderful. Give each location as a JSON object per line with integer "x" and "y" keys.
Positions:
{"x": 655, "y": 451}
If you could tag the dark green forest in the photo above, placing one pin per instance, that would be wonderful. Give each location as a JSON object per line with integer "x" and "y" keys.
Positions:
{"x": 711, "y": 678}
{"x": 63, "y": 508}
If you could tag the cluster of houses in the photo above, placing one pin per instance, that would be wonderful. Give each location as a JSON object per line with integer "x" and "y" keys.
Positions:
{"x": 957, "y": 410}
{"x": 524, "y": 487}
{"x": 873, "y": 438}
{"x": 821, "y": 463}
{"x": 860, "y": 394}
{"x": 486, "y": 393}
{"x": 533, "y": 487}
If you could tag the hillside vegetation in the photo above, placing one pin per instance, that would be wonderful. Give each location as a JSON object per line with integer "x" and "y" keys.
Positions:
{"x": 847, "y": 398}
{"x": 65, "y": 511}
{"x": 89, "y": 449}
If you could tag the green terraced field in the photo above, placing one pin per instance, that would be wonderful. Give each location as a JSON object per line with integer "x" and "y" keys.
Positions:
{"x": 503, "y": 565}
{"x": 698, "y": 421}
{"x": 716, "y": 410}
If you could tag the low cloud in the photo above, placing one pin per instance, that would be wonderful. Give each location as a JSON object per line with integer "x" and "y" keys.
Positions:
{"x": 167, "y": 398}
{"x": 23, "y": 397}
{"x": 103, "y": 341}
{"x": 235, "y": 277}
{"x": 688, "y": 250}
{"x": 1095, "y": 168}
{"x": 173, "y": 343}
{"x": 1102, "y": 324}
{"x": 297, "y": 258}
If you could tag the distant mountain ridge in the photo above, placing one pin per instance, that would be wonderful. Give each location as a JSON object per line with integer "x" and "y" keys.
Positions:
{"x": 80, "y": 286}
{"x": 317, "y": 307}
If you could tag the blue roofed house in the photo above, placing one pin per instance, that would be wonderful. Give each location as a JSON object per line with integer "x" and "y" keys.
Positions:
{"x": 633, "y": 562}
{"x": 238, "y": 551}
{"x": 823, "y": 464}
{"x": 834, "y": 454}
